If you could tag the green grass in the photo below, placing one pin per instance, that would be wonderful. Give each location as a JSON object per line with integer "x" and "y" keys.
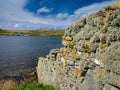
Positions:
{"x": 47, "y": 33}
{"x": 33, "y": 86}
{"x": 33, "y": 32}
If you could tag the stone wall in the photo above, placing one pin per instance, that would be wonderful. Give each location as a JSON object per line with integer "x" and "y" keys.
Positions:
{"x": 90, "y": 56}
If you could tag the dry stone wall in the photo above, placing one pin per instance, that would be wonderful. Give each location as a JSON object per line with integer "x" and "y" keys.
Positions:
{"x": 90, "y": 56}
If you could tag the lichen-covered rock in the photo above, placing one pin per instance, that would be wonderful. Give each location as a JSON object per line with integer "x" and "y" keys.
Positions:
{"x": 90, "y": 56}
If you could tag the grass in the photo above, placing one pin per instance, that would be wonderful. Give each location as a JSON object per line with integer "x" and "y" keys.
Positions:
{"x": 33, "y": 32}
{"x": 34, "y": 86}
{"x": 47, "y": 33}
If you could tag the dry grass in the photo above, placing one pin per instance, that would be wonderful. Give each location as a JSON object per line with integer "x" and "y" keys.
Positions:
{"x": 5, "y": 85}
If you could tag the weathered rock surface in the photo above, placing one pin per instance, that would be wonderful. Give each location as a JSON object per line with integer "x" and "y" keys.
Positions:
{"x": 90, "y": 58}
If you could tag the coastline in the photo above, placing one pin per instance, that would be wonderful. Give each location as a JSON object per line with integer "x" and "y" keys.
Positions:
{"x": 13, "y": 81}
{"x": 32, "y": 32}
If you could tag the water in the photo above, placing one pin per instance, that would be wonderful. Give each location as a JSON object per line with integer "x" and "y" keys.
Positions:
{"x": 18, "y": 54}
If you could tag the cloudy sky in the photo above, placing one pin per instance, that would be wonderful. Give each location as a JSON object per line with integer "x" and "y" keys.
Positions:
{"x": 46, "y": 14}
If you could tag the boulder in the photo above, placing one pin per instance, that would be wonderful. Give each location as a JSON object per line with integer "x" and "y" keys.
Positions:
{"x": 90, "y": 56}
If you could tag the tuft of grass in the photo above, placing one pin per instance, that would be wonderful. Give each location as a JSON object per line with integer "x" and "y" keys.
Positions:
{"x": 33, "y": 86}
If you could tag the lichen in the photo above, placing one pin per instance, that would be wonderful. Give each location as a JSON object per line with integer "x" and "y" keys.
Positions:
{"x": 108, "y": 12}
{"x": 117, "y": 4}
{"x": 101, "y": 72}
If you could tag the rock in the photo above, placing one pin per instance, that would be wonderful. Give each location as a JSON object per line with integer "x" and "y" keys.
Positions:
{"x": 53, "y": 53}
{"x": 90, "y": 56}
{"x": 110, "y": 87}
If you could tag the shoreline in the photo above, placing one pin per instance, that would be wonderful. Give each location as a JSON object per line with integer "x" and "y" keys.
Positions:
{"x": 32, "y": 32}
{"x": 11, "y": 81}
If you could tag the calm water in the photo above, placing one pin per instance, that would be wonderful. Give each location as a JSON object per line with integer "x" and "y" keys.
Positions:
{"x": 18, "y": 54}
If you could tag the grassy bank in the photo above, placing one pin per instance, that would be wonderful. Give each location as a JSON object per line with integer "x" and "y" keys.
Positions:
{"x": 33, "y": 32}
{"x": 33, "y": 86}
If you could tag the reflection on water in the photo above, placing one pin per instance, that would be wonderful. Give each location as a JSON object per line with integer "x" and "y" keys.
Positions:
{"x": 18, "y": 54}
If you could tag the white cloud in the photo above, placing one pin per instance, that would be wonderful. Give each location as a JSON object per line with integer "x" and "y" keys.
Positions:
{"x": 12, "y": 12}
{"x": 90, "y": 9}
{"x": 43, "y": 9}
{"x": 62, "y": 15}
{"x": 16, "y": 25}
{"x": 87, "y": 10}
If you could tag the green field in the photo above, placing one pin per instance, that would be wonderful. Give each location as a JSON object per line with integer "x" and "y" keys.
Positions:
{"x": 33, "y": 32}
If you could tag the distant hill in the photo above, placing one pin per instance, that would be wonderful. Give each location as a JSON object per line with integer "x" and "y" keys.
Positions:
{"x": 32, "y": 32}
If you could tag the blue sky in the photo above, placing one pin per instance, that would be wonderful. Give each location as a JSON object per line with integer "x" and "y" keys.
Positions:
{"x": 46, "y": 14}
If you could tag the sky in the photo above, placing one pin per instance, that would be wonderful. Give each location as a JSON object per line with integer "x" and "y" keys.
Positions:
{"x": 46, "y": 14}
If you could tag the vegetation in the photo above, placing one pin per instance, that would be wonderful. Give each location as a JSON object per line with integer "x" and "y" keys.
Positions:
{"x": 33, "y": 32}
{"x": 47, "y": 33}
{"x": 34, "y": 86}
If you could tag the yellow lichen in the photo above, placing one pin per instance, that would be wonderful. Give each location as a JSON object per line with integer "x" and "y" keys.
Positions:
{"x": 117, "y": 4}
{"x": 52, "y": 55}
{"x": 101, "y": 73}
{"x": 64, "y": 42}
{"x": 65, "y": 50}
{"x": 74, "y": 55}
{"x": 87, "y": 54}
{"x": 60, "y": 67}
{"x": 86, "y": 50}
{"x": 67, "y": 41}
{"x": 71, "y": 43}
{"x": 104, "y": 20}
{"x": 77, "y": 72}
{"x": 66, "y": 58}
{"x": 108, "y": 12}
{"x": 104, "y": 44}
{"x": 62, "y": 50}
{"x": 68, "y": 38}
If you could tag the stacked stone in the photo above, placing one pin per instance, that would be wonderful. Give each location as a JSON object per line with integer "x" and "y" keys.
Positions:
{"x": 90, "y": 57}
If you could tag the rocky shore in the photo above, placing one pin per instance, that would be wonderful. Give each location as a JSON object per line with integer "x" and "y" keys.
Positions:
{"x": 90, "y": 56}
{"x": 9, "y": 82}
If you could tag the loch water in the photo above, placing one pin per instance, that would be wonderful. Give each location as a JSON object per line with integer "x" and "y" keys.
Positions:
{"x": 19, "y": 54}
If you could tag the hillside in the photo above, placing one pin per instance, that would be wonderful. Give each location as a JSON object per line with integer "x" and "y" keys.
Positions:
{"x": 32, "y": 32}
{"x": 90, "y": 56}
